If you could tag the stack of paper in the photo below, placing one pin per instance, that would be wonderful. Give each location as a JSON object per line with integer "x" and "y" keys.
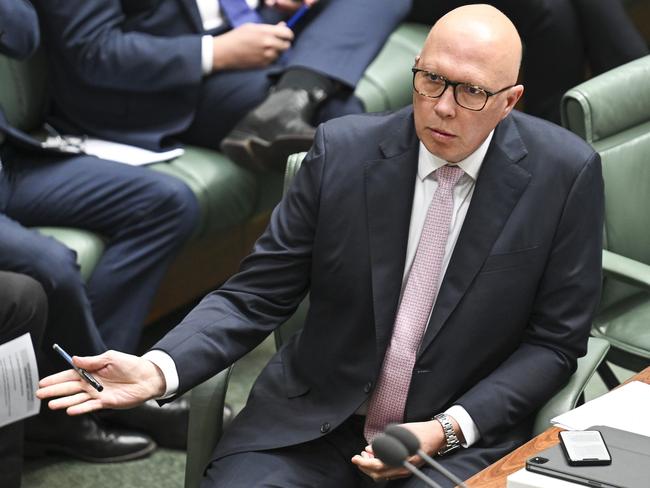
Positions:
{"x": 626, "y": 408}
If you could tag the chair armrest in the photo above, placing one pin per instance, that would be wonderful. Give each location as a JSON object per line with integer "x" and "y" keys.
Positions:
{"x": 627, "y": 270}
{"x": 567, "y": 398}
{"x": 205, "y": 425}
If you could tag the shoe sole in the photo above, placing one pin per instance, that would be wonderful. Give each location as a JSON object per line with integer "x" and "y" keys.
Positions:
{"x": 260, "y": 155}
{"x": 39, "y": 449}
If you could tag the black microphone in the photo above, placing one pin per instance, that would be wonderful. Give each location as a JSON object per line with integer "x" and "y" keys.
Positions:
{"x": 412, "y": 445}
{"x": 393, "y": 453}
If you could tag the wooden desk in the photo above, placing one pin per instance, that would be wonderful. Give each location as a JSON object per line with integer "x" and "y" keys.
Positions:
{"x": 494, "y": 476}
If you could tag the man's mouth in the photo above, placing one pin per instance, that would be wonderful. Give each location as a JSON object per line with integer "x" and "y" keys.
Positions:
{"x": 442, "y": 135}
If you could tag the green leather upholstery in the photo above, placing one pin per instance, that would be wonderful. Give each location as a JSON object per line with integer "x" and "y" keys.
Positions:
{"x": 205, "y": 425}
{"x": 612, "y": 112}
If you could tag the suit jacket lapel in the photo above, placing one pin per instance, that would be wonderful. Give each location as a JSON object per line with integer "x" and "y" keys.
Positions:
{"x": 389, "y": 196}
{"x": 500, "y": 184}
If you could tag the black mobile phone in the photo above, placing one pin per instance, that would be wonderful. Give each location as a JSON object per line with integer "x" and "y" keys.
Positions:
{"x": 585, "y": 448}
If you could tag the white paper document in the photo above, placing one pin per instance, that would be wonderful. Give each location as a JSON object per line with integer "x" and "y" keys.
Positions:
{"x": 526, "y": 479}
{"x": 626, "y": 408}
{"x": 18, "y": 380}
{"x": 114, "y": 151}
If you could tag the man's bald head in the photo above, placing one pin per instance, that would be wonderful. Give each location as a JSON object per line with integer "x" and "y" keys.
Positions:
{"x": 481, "y": 33}
{"x": 475, "y": 47}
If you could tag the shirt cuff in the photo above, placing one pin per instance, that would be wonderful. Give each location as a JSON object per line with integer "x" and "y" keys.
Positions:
{"x": 168, "y": 368}
{"x": 466, "y": 424}
{"x": 206, "y": 54}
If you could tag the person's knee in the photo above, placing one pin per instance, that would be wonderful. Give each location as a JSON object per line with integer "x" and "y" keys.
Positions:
{"x": 26, "y": 302}
{"x": 180, "y": 204}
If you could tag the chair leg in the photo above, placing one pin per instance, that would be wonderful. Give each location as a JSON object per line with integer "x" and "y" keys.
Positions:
{"x": 608, "y": 376}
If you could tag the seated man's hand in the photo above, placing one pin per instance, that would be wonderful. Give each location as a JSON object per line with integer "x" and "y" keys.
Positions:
{"x": 250, "y": 46}
{"x": 127, "y": 380}
{"x": 431, "y": 437}
{"x": 289, "y": 5}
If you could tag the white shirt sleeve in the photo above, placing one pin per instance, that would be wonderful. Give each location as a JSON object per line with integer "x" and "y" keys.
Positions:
{"x": 168, "y": 368}
{"x": 466, "y": 424}
{"x": 206, "y": 54}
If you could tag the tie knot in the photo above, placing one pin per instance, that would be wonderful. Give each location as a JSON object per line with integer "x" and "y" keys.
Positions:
{"x": 449, "y": 175}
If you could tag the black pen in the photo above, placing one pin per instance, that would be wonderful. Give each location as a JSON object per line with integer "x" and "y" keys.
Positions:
{"x": 82, "y": 372}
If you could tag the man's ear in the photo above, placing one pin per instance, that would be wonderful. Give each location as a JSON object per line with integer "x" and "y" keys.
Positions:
{"x": 514, "y": 95}
{"x": 417, "y": 60}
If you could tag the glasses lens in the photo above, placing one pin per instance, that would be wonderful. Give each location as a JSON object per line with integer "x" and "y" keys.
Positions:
{"x": 470, "y": 97}
{"x": 428, "y": 84}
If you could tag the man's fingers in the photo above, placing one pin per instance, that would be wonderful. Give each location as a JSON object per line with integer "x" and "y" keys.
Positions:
{"x": 86, "y": 407}
{"x": 91, "y": 363}
{"x": 72, "y": 387}
{"x": 67, "y": 375}
{"x": 69, "y": 401}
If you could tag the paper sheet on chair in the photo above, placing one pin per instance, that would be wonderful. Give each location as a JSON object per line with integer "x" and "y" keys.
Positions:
{"x": 626, "y": 408}
{"x": 114, "y": 151}
{"x": 18, "y": 380}
{"x": 135, "y": 156}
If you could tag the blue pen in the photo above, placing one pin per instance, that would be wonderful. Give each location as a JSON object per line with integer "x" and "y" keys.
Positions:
{"x": 82, "y": 372}
{"x": 297, "y": 16}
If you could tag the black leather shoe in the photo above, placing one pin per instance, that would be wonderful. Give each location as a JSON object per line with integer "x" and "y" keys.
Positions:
{"x": 167, "y": 424}
{"x": 83, "y": 437}
{"x": 280, "y": 126}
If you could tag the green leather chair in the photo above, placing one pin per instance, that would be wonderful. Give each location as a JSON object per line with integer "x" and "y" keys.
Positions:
{"x": 235, "y": 203}
{"x": 207, "y": 399}
{"x": 612, "y": 113}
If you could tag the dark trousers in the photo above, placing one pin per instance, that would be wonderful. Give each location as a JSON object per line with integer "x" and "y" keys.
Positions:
{"x": 325, "y": 463}
{"x": 338, "y": 39}
{"x": 144, "y": 216}
{"x": 23, "y": 308}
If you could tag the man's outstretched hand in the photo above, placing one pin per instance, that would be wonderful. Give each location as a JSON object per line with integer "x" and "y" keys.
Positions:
{"x": 127, "y": 380}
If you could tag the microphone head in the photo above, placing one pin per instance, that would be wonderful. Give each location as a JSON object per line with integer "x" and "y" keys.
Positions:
{"x": 389, "y": 450}
{"x": 405, "y": 436}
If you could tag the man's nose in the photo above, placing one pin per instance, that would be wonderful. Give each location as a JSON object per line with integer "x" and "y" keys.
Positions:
{"x": 446, "y": 105}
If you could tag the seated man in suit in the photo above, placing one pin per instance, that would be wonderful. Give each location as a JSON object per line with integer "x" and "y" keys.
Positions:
{"x": 452, "y": 255}
{"x": 218, "y": 73}
{"x": 23, "y": 309}
{"x": 144, "y": 215}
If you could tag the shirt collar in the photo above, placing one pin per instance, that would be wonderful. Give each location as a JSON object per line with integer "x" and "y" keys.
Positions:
{"x": 471, "y": 165}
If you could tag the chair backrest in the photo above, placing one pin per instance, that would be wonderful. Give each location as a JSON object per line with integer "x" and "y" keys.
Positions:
{"x": 295, "y": 323}
{"x": 23, "y": 91}
{"x": 612, "y": 112}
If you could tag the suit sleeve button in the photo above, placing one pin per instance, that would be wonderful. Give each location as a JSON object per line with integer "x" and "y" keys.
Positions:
{"x": 368, "y": 387}
{"x": 325, "y": 428}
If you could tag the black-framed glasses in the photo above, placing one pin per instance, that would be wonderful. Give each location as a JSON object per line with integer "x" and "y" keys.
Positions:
{"x": 468, "y": 96}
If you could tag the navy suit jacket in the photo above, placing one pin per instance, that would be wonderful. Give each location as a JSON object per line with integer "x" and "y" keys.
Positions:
{"x": 513, "y": 312}
{"x": 129, "y": 74}
{"x": 19, "y": 34}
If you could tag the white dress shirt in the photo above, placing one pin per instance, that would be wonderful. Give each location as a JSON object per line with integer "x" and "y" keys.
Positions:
{"x": 425, "y": 186}
{"x": 211, "y": 17}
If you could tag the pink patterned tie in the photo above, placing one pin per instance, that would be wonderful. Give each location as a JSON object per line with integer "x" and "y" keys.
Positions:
{"x": 389, "y": 398}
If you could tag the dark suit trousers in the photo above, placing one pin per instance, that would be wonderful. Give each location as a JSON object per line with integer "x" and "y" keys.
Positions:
{"x": 325, "y": 463}
{"x": 338, "y": 38}
{"x": 144, "y": 215}
{"x": 23, "y": 308}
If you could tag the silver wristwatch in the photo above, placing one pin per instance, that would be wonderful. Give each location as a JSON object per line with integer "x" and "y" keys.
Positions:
{"x": 452, "y": 440}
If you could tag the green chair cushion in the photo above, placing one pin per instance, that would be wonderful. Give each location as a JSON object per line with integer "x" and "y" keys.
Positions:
{"x": 386, "y": 84}
{"x": 227, "y": 193}
{"x": 626, "y": 325}
{"x": 88, "y": 246}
